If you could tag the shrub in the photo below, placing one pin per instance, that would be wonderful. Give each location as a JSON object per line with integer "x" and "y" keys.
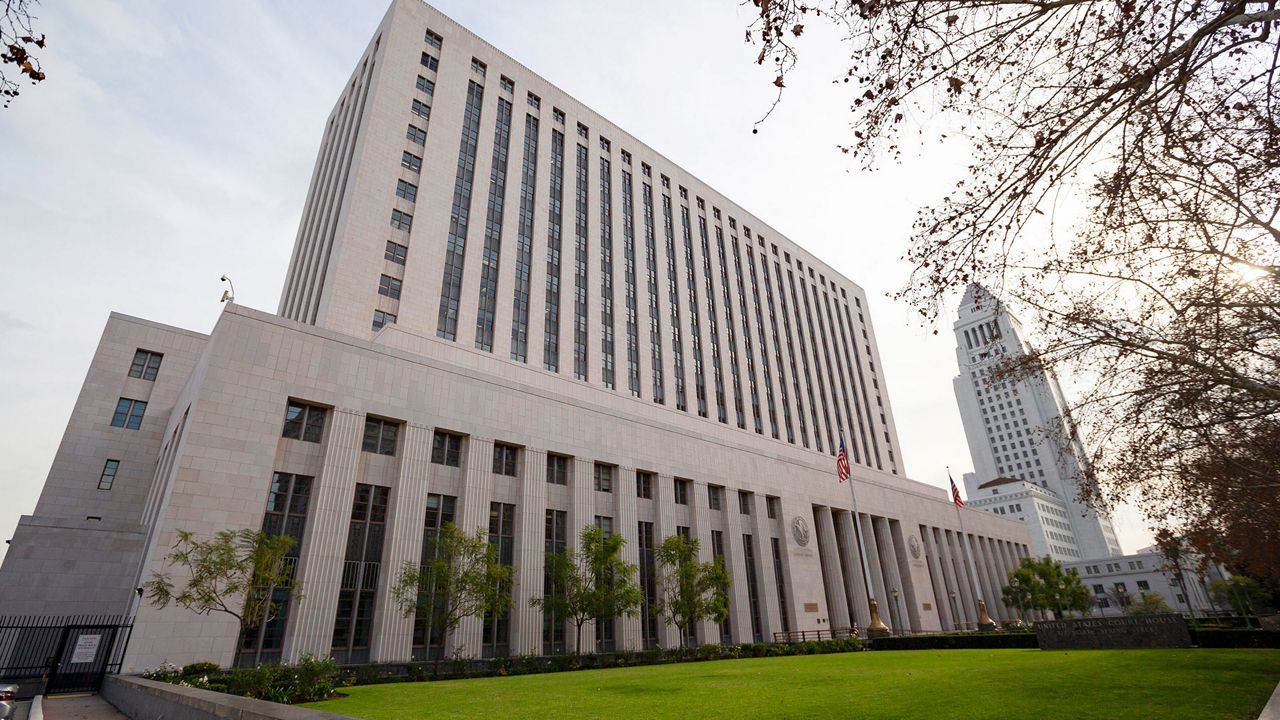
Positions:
{"x": 198, "y": 669}
{"x": 975, "y": 641}
{"x": 1236, "y": 638}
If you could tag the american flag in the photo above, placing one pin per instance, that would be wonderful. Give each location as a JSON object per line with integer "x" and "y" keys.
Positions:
{"x": 955, "y": 492}
{"x": 842, "y": 462}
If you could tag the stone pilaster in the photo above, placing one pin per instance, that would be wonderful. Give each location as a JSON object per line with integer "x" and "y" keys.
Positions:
{"x": 624, "y": 493}
{"x": 850, "y": 553}
{"x": 473, "y": 515}
{"x": 832, "y": 576}
{"x": 392, "y": 629}
{"x": 530, "y": 553}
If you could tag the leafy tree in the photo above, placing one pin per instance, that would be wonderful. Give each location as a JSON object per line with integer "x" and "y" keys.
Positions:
{"x": 1148, "y": 604}
{"x": 242, "y": 573}
{"x": 1044, "y": 585}
{"x": 18, "y": 47}
{"x": 1242, "y": 594}
{"x": 594, "y": 583}
{"x": 1158, "y": 125}
{"x": 690, "y": 591}
{"x": 463, "y": 578}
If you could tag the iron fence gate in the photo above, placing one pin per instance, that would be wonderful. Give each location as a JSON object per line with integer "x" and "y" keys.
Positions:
{"x": 61, "y": 653}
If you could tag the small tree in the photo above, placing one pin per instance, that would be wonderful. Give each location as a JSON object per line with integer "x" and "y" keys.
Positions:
{"x": 593, "y": 583}
{"x": 690, "y": 591}
{"x": 1045, "y": 585}
{"x": 1148, "y": 604}
{"x": 242, "y": 573}
{"x": 462, "y": 579}
{"x": 1241, "y": 594}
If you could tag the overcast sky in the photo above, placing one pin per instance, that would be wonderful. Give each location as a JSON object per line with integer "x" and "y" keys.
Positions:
{"x": 173, "y": 142}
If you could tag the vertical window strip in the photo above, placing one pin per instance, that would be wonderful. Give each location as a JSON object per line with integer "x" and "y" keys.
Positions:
{"x": 764, "y": 345}
{"x": 857, "y": 406}
{"x": 524, "y": 243}
{"x": 493, "y": 228}
{"x": 753, "y": 386}
{"x": 791, "y": 353}
{"x": 862, "y": 382}
{"x": 673, "y": 290}
{"x": 695, "y": 325}
{"x": 580, "y": 270}
{"x": 804, "y": 355}
{"x": 807, "y": 320}
{"x": 732, "y": 336}
{"x": 655, "y": 314}
{"x": 713, "y": 321}
{"x": 607, "y": 373}
{"x": 456, "y": 245}
{"x": 777, "y": 344}
{"x": 839, "y": 364}
{"x": 629, "y": 283}
{"x": 555, "y": 217}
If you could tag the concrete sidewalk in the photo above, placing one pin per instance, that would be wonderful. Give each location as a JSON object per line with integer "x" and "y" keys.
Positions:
{"x": 79, "y": 707}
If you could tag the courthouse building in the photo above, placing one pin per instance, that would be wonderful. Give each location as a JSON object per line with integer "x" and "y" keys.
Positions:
{"x": 503, "y": 311}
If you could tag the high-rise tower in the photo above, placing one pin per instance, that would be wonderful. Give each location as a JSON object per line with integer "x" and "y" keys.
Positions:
{"x": 1026, "y": 462}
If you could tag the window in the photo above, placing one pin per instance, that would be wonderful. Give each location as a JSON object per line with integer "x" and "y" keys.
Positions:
{"x": 646, "y": 170}
{"x": 745, "y": 500}
{"x": 416, "y": 134}
{"x": 389, "y": 286}
{"x": 535, "y": 102}
{"x": 421, "y": 109}
{"x": 406, "y": 190}
{"x": 771, "y": 507}
{"x": 557, "y": 469}
{"x": 128, "y": 414}
{"x": 508, "y": 85}
{"x": 426, "y": 86}
{"x": 108, "y": 474}
{"x": 558, "y": 115}
{"x": 401, "y": 220}
{"x": 412, "y": 162}
{"x": 446, "y": 449}
{"x": 626, "y": 157}
{"x": 1144, "y": 586}
{"x": 430, "y": 62}
{"x": 683, "y": 531}
{"x": 382, "y": 319}
{"x": 303, "y": 422}
{"x": 644, "y": 485}
{"x": 396, "y": 252}
{"x": 682, "y": 491}
{"x": 604, "y": 145}
{"x": 478, "y": 67}
{"x": 504, "y": 459}
{"x": 605, "y": 523}
{"x": 583, "y": 131}
{"x": 715, "y": 497}
{"x": 380, "y": 436}
{"x": 433, "y": 39}
{"x": 604, "y": 478}
{"x": 145, "y": 365}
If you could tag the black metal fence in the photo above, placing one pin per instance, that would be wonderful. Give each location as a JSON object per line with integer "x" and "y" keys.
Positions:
{"x": 799, "y": 636}
{"x": 61, "y": 653}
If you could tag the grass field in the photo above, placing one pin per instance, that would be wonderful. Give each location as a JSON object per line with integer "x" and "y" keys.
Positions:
{"x": 1043, "y": 685}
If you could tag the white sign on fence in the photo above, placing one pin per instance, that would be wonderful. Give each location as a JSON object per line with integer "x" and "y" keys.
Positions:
{"x": 86, "y": 649}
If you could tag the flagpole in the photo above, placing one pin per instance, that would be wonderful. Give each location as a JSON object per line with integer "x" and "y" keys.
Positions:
{"x": 984, "y": 620}
{"x": 876, "y": 626}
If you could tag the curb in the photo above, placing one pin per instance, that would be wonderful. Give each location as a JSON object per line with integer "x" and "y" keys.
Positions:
{"x": 1272, "y": 709}
{"x": 36, "y": 712}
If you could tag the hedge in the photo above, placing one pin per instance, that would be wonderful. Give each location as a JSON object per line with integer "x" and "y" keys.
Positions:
{"x": 958, "y": 641}
{"x": 1235, "y": 638}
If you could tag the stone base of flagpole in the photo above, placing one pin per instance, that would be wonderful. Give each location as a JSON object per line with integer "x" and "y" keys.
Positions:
{"x": 985, "y": 623}
{"x": 876, "y": 628}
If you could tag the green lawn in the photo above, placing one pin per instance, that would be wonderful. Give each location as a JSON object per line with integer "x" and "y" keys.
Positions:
{"x": 1042, "y": 685}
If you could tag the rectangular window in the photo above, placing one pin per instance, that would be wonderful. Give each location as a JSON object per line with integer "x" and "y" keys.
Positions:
{"x": 420, "y": 109}
{"x": 753, "y": 593}
{"x": 557, "y": 469}
{"x": 409, "y": 161}
{"x": 604, "y": 478}
{"x": 771, "y": 504}
{"x": 286, "y": 515}
{"x": 145, "y": 364}
{"x": 446, "y": 449}
{"x": 479, "y": 67}
{"x": 556, "y": 541}
{"x": 535, "y": 102}
{"x": 382, "y": 319}
{"x": 401, "y": 220}
{"x": 715, "y": 497}
{"x": 605, "y": 523}
{"x": 353, "y": 624}
{"x": 779, "y": 576}
{"x": 745, "y": 501}
{"x": 396, "y": 252}
{"x": 497, "y": 628}
{"x": 644, "y": 485}
{"x": 504, "y": 459}
{"x": 1143, "y": 585}
{"x": 582, "y": 130}
{"x": 128, "y": 414}
{"x": 684, "y": 532}
{"x": 508, "y": 85}
{"x": 380, "y": 436}
{"x": 558, "y": 115}
{"x": 416, "y": 135}
{"x": 682, "y": 491}
{"x": 389, "y": 286}
{"x": 426, "y": 86}
{"x": 303, "y": 422}
{"x": 459, "y": 216}
{"x": 406, "y": 190}
{"x": 433, "y": 39}
{"x": 108, "y": 476}
{"x": 430, "y": 62}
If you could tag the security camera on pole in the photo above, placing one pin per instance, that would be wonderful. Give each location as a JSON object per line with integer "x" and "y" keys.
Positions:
{"x": 984, "y": 620}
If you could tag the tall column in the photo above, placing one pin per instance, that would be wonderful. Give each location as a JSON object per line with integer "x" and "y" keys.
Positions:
{"x": 770, "y": 609}
{"x": 854, "y": 579}
{"x": 392, "y": 629}
{"x": 832, "y": 577}
{"x": 909, "y": 603}
{"x": 940, "y": 598}
{"x": 624, "y": 491}
{"x": 325, "y": 541}
{"x": 665, "y": 499}
{"x": 889, "y": 566}
{"x": 582, "y": 512}
{"x": 997, "y": 577}
{"x": 709, "y": 632}
{"x": 473, "y": 516}
{"x": 530, "y": 552}
{"x": 965, "y": 601}
{"x": 982, "y": 573}
{"x": 735, "y": 560}
{"x": 872, "y": 555}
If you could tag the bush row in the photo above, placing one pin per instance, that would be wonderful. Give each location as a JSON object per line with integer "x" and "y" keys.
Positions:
{"x": 958, "y": 641}
{"x": 1235, "y": 638}
{"x": 309, "y": 680}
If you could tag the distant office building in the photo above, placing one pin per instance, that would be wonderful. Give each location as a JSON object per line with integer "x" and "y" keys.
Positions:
{"x": 1116, "y": 582}
{"x": 1026, "y": 465}
{"x": 503, "y": 311}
